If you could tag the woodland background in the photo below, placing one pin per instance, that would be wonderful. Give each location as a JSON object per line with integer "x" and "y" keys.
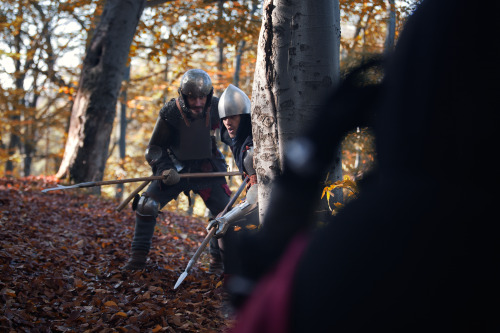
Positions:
{"x": 61, "y": 251}
{"x": 43, "y": 43}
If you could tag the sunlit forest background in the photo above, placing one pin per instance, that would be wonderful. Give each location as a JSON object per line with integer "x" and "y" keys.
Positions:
{"x": 42, "y": 44}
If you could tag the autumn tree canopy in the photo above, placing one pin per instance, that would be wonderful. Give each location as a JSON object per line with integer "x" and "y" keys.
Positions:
{"x": 43, "y": 46}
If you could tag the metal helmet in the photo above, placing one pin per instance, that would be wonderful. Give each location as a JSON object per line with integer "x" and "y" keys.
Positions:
{"x": 195, "y": 83}
{"x": 233, "y": 102}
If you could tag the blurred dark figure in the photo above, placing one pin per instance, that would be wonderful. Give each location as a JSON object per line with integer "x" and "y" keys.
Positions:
{"x": 417, "y": 251}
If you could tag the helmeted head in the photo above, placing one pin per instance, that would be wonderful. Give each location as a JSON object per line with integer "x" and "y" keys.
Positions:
{"x": 233, "y": 101}
{"x": 233, "y": 104}
{"x": 195, "y": 85}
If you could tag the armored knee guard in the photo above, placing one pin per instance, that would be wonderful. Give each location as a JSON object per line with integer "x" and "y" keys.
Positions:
{"x": 147, "y": 207}
{"x": 146, "y": 211}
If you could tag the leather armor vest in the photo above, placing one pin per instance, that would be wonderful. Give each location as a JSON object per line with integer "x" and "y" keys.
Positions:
{"x": 194, "y": 141}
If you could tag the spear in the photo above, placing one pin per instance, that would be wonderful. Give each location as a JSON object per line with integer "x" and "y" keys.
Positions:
{"x": 141, "y": 179}
{"x": 209, "y": 236}
{"x": 132, "y": 195}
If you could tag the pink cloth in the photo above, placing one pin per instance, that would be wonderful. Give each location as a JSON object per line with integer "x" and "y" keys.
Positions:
{"x": 268, "y": 309}
{"x": 205, "y": 193}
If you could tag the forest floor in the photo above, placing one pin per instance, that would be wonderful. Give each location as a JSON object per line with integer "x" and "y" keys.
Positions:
{"x": 60, "y": 258}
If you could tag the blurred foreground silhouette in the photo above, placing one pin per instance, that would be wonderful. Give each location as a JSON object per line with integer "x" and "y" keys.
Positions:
{"x": 418, "y": 250}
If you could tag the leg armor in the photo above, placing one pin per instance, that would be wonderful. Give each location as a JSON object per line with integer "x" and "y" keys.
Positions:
{"x": 145, "y": 221}
{"x": 147, "y": 207}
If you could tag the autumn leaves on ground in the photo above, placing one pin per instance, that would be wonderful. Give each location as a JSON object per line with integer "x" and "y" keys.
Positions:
{"x": 60, "y": 256}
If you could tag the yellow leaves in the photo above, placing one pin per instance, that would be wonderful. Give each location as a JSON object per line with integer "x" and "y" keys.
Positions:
{"x": 133, "y": 48}
{"x": 350, "y": 185}
{"x": 67, "y": 90}
{"x": 248, "y": 227}
{"x": 346, "y": 183}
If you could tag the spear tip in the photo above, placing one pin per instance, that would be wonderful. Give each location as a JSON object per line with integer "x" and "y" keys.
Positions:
{"x": 181, "y": 278}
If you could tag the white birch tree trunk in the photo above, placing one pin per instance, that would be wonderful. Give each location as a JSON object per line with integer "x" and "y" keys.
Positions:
{"x": 297, "y": 66}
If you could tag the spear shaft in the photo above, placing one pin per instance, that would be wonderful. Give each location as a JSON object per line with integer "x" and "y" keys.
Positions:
{"x": 132, "y": 195}
{"x": 210, "y": 235}
{"x": 140, "y": 179}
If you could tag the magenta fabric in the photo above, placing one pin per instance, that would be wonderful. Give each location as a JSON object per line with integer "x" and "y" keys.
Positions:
{"x": 205, "y": 193}
{"x": 267, "y": 310}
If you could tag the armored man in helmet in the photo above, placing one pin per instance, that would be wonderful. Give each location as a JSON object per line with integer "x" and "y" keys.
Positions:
{"x": 182, "y": 142}
{"x": 236, "y": 131}
{"x": 234, "y": 112}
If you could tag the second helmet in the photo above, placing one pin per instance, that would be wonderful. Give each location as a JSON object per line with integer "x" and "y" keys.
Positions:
{"x": 233, "y": 101}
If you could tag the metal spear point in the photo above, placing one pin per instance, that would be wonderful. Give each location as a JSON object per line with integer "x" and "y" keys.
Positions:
{"x": 63, "y": 187}
{"x": 195, "y": 257}
{"x": 210, "y": 235}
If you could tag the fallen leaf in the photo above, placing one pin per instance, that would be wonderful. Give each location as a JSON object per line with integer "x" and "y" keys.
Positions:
{"x": 111, "y": 303}
{"x": 10, "y": 292}
{"x": 121, "y": 314}
{"x": 157, "y": 328}
{"x": 62, "y": 261}
{"x": 177, "y": 319}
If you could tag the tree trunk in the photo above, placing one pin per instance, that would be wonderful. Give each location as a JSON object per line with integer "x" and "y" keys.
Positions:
{"x": 30, "y": 134}
{"x": 122, "y": 143}
{"x": 220, "y": 45}
{"x": 297, "y": 66}
{"x": 237, "y": 62}
{"x": 391, "y": 27}
{"x": 15, "y": 117}
{"x": 14, "y": 143}
{"x": 239, "y": 52}
{"x": 94, "y": 109}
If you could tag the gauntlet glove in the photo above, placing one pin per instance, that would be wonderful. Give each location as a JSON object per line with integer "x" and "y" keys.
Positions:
{"x": 170, "y": 177}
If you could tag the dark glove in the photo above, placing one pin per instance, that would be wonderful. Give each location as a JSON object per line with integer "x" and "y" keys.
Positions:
{"x": 170, "y": 177}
